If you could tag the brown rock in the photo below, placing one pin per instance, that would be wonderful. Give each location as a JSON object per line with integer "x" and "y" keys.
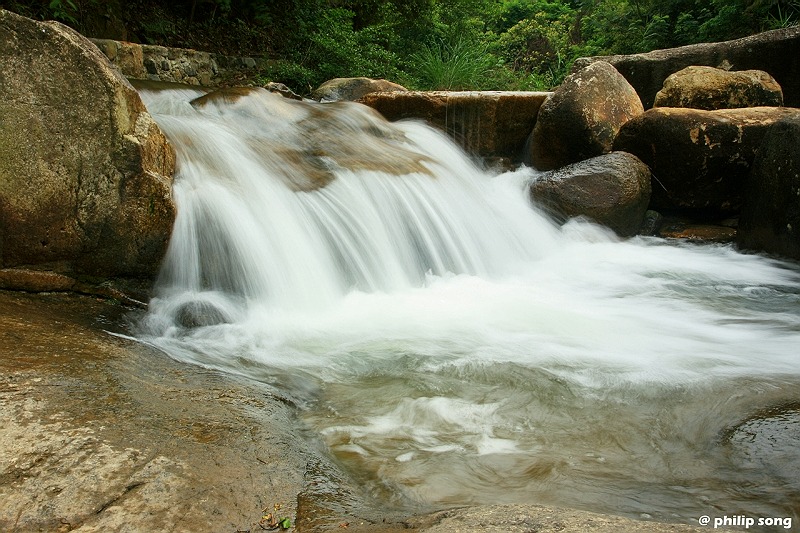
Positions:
{"x": 699, "y": 232}
{"x": 770, "y": 219}
{"x": 582, "y": 117}
{"x": 484, "y": 123}
{"x": 712, "y": 88}
{"x": 699, "y": 159}
{"x": 611, "y": 189}
{"x": 85, "y": 173}
{"x": 773, "y": 51}
{"x": 352, "y": 89}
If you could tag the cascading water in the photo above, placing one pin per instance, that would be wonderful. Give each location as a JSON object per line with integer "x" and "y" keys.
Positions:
{"x": 453, "y": 346}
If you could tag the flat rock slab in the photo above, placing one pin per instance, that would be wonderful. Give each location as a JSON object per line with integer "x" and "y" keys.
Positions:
{"x": 100, "y": 433}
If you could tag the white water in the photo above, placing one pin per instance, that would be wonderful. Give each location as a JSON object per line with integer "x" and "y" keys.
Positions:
{"x": 448, "y": 342}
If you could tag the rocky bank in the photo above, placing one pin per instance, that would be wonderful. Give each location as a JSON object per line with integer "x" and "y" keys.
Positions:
{"x": 101, "y": 433}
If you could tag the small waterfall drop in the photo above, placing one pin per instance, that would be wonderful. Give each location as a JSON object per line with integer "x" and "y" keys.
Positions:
{"x": 445, "y": 338}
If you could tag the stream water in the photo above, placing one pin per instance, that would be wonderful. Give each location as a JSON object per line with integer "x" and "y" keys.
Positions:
{"x": 449, "y": 343}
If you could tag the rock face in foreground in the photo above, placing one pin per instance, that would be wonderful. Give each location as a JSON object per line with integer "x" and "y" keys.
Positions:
{"x": 700, "y": 159}
{"x": 85, "y": 173}
{"x": 712, "y": 88}
{"x": 773, "y": 51}
{"x": 484, "y": 123}
{"x": 582, "y": 117}
{"x": 770, "y": 218}
{"x": 611, "y": 189}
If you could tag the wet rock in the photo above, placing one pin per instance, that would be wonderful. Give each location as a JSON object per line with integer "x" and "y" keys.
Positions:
{"x": 351, "y": 89}
{"x": 770, "y": 219}
{"x": 582, "y": 117}
{"x": 651, "y": 223}
{"x": 611, "y": 189}
{"x": 773, "y": 51}
{"x": 768, "y": 441}
{"x": 104, "y": 434}
{"x": 85, "y": 172}
{"x": 700, "y": 159}
{"x": 199, "y": 314}
{"x": 712, "y": 88}
{"x": 488, "y": 124}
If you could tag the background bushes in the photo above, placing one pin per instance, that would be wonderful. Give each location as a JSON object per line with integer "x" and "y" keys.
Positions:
{"x": 423, "y": 44}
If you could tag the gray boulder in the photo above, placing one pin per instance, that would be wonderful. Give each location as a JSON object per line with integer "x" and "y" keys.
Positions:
{"x": 85, "y": 172}
{"x": 700, "y": 159}
{"x": 712, "y": 88}
{"x": 352, "y": 89}
{"x": 773, "y": 51}
{"x": 770, "y": 219}
{"x": 582, "y": 117}
{"x": 611, "y": 189}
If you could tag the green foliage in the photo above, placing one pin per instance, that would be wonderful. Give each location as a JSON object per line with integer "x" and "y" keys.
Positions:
{"x": 458, "y": 65}
{"x": 454, "y": 44}
{"x": 537, "y": 44}
{"x": 63, "y": 10}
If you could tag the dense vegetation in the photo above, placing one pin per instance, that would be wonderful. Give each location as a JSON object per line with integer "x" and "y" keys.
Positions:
{"x": 425, "y": 44}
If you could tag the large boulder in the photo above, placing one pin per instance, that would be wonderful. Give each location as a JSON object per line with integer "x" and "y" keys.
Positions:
{"x": 611, "y": 189}
{"x": 352, "y": 89}
{"x": 713, "y": 88}
{"x": 770, "y": 219}
{"x": 485, "y": 123}
{"x": 582, "y": 117}
{"x": 85, "y": 172}
{"x": 700, "y": 159}
{"x": 773, "y": 51}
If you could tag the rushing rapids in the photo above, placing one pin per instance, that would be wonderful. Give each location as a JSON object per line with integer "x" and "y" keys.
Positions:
{"x": 449, "y": 343}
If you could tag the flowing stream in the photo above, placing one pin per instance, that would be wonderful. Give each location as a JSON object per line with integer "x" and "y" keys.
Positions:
{"x": 449, "y": 343}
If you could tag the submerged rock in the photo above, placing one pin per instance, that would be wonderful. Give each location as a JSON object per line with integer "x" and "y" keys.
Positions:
{"x": 700, "y": 159}
{"x": 611, "y": 189}
{"x": 85, "y": 172}
{"x": 582, "y": 117}
{"x": 199, "y": 314}
{"x": 768, "y": 442}
{"x": 315, "y": 141}
{"x": 712, "y": 88}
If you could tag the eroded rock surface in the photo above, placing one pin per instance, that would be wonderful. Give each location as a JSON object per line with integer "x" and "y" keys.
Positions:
{"x": 770, "y": 219}
{"x": 485, "y": 123}
{"x": 699, "y": 159}
{"x": 85, "y": 172}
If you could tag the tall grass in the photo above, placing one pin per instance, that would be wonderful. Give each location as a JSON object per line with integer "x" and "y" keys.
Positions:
{"x": 457, "y": 65}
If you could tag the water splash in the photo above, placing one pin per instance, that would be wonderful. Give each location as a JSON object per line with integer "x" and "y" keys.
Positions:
{"x": 447, "y": 340}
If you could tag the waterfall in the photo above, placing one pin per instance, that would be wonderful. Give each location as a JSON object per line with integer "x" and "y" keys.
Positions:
{"x": 444, "y": 337}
